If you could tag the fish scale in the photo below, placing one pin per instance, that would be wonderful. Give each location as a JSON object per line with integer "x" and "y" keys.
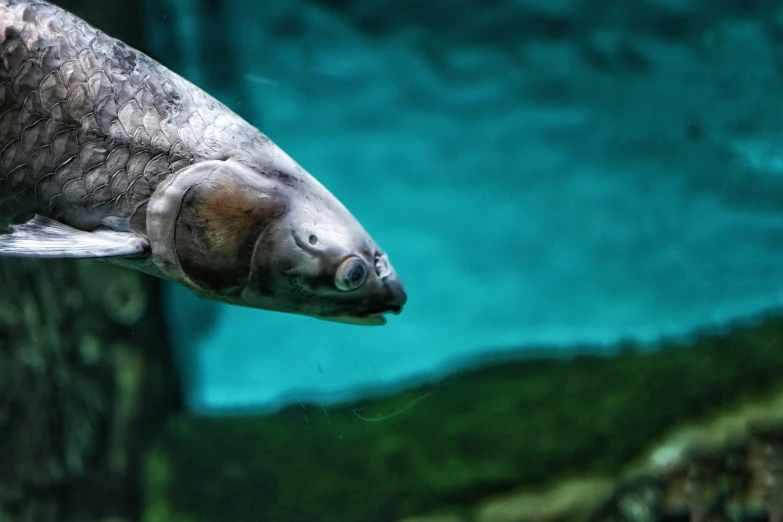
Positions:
{"x": 89, "y": 126}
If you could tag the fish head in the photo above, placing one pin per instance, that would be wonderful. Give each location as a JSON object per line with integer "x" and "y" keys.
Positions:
{"x": 318, "y": 260}
{"x": 262, "y": 232}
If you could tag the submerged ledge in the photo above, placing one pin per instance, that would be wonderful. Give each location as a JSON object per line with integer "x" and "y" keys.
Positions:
{"x": 452, "y": 446}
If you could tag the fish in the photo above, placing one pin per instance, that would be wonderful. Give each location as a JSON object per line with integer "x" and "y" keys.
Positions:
{"x": 107, "y": 154}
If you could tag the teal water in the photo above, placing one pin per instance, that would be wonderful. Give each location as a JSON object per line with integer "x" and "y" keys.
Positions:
{"x": 525, "y": 194}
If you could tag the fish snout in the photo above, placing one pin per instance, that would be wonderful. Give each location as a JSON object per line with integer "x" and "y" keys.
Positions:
{"x": 397, "y": 297}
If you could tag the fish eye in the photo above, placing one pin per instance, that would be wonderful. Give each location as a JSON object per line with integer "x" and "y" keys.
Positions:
{"x": 351, "y": 274}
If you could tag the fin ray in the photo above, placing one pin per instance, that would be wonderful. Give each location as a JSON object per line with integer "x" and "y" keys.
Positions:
{"x": 47, "y": 238}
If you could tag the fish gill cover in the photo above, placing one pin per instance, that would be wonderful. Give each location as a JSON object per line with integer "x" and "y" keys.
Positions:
{"x": 560, "y": 173}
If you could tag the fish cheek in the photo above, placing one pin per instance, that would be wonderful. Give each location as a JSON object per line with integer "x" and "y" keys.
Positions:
{"x": 217, "y": 226}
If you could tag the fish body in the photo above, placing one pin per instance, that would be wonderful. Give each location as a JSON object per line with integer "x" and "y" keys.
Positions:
{"x": 106, "y": 153}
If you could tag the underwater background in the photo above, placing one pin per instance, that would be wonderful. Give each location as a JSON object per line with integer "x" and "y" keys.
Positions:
{"x": 541, "y": 173}
{"x": 584, "y": 201}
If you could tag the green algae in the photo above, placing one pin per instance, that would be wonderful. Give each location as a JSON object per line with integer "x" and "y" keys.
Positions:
{"x": 81, "y": 383}
{"x": 450, "y": 445}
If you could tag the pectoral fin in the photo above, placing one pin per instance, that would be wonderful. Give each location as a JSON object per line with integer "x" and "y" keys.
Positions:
{"x": 44, "y": 237}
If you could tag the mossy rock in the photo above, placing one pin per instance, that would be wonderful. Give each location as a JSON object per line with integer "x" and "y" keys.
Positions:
{"x": 85, "y": 373}
{"x": 447, "y": 446}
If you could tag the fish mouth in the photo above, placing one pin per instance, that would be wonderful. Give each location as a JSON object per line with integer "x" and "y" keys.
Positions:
{"x": 370, "y": 319}
{"x": 367, "y": 320}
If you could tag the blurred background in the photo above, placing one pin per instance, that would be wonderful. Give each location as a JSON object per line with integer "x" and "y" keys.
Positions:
{"x": 583, "y": 198}
{"x": 541, "y": 173}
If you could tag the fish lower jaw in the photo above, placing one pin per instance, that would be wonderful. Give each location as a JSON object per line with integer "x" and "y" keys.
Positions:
{"x": 368, "y": 320}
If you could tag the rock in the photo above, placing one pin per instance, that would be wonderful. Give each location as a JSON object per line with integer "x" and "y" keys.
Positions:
{"x": 527, "y": 440}
{"x": 81, "y": 389}
{"x": 568, "y": 500}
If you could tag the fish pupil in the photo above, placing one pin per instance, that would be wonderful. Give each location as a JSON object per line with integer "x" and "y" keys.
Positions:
{"x": 355, "y": 274}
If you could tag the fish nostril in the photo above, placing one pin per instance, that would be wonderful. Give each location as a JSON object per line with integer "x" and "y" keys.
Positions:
{"x": 382, "y": 267}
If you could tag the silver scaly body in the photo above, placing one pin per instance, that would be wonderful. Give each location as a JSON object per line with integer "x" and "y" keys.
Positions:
{"x": 89, "y": 126}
